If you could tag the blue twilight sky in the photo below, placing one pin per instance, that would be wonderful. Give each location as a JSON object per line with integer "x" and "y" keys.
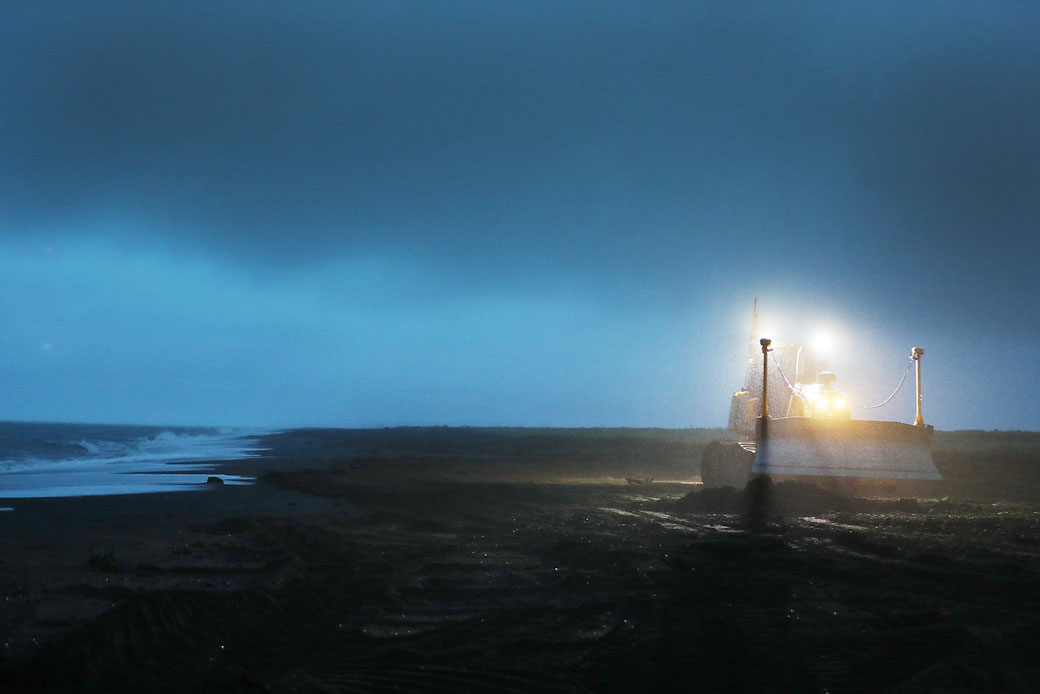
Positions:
{"x": 512, "y": 212}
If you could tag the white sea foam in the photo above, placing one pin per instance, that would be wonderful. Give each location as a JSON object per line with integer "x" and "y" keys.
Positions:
{"x": 124, "y": 462}
{"x": 172, "y": 447}
{"x": 161, "y": 447}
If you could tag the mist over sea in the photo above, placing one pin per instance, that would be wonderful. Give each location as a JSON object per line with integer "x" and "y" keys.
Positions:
{"x": 39, "y": 459}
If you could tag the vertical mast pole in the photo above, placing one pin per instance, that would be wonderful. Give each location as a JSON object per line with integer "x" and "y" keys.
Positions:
{"x": 765, "y": 342}
{"x": 915, "y": 354}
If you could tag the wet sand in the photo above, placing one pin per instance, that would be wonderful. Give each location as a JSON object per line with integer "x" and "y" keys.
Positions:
{"x": 518, "y": 572}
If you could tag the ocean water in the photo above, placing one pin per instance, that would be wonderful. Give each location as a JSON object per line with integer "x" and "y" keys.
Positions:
{"x": 48, "y": 459}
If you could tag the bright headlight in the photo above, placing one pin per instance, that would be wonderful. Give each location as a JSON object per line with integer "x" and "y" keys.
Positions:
{"x": 820, "y": 402}
{"x": 839, "y": 403}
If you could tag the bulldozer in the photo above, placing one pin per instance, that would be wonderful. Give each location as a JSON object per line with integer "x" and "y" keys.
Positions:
{"x": 814, "y": 438}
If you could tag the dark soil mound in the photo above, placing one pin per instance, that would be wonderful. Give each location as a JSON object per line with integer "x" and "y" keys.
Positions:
{"x": 761, "y": 496}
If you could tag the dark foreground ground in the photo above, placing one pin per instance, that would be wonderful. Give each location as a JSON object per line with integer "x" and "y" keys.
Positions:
{"x": 516, "y": 572}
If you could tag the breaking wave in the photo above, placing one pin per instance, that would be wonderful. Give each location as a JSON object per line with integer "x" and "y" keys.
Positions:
{"x": 44, "y": 446}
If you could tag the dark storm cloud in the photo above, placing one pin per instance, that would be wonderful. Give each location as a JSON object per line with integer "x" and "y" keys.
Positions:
{"x": 372, "y": 120}
{"x": 488, "y": 129}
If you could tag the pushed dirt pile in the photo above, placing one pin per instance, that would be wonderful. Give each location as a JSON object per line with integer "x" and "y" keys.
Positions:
{"x": 784, "y": 499}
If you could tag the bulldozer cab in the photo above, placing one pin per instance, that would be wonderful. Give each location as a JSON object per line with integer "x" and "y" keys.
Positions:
{"x": 805, "y": 388}
{"x": 819, "y": 399}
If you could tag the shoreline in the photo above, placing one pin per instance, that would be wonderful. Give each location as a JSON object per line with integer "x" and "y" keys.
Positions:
{"x": 139, "y": 469}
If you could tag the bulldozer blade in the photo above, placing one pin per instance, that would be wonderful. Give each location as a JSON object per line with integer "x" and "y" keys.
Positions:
{"x": 844, "y": 448}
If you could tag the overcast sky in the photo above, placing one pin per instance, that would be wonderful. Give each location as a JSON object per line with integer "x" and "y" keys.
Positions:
{"x": 512, "y": 213}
